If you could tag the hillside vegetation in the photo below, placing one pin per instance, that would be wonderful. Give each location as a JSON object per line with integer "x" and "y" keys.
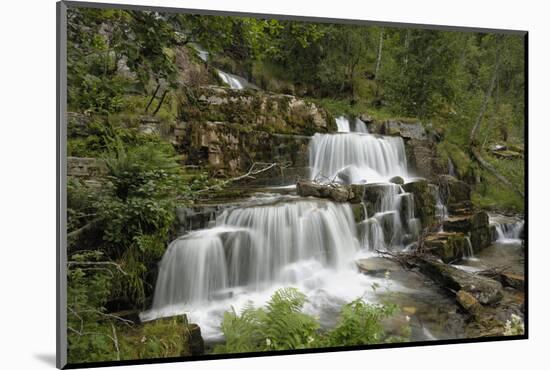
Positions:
{"x": 128, "y": 67}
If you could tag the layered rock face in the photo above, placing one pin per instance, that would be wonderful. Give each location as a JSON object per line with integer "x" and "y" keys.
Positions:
{"x": 420, "y": 146}
{"x": 228, "y": 130}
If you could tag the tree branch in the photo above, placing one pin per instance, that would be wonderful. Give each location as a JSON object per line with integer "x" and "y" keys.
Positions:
{"x": 255, "y": 169}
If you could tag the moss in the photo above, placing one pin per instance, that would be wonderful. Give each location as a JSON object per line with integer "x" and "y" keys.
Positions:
{"x": 424, "y": 201}
{"x": 461, "y": 161}
{"x": 494, "y": 195}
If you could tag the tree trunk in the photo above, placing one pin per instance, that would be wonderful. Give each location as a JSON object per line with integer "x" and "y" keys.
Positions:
{"x": 152, "y": 98}
{"x": 407, "y": 37}
{"x": 488, "y": 93}
{"x": 161, "y": 101}
{"x": 379, "y": 57}
{"x": 474, "y": 144}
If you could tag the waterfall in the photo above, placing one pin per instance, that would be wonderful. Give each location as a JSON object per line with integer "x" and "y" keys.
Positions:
{"x": 254, "y": 247}
{"x": 364, "y": 157}
{"x": 360, "y": 126}
{"x": 441, "y": 212}
{"x": 469, "y": 250}
{"x": 509, "y": 232}
{"x": 344, "y": 125}
{"x": 451, "y": 167}
{"x": 233, "y": 81}
{"x": 393, "y": 224}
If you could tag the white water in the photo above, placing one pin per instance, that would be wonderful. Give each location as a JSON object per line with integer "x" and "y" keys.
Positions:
{"x": 252, "y": 251}
{"x": 232, "y": 80}
{"x": 359, "y": 157}
{"x": 344, "y": 125}
{"x": 393, "y": 222}
{"x": 509, "y": 232}
{"x": 469, "y": 251}
{"x": 451, "y": 167}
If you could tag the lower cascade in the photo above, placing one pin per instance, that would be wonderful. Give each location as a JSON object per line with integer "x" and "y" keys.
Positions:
{"x": 253, "y": 248}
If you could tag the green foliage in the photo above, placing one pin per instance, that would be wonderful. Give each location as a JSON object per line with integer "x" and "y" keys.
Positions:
{"x": 96, "y": 335}
{"x": 360, "y": 323}
{"x": 89, "y": 280}
{"x": 282, "y": 325}
{"x": 162, "y": 338}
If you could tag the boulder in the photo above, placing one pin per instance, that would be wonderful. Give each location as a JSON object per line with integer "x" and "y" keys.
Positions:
{"x": 486, "y": 291}
{"x": 258, "y": 110}
{"x": 196, "y": 342}
{"x": 480, "y": 232}
{"x": 476, "y": 225}
{"x": 373, "y": 194}
{"x": 407, "y": 130}
{"x": 460, "y": 223}
{"x": 468, "y": 302}
{"x": 513, "y": 280}
{"x": 422, "y": 157}
{"x": 189, "y": 335}
{"x": 377, "y": 265}
{"x": 335, "y": 192}
{"x": 397, "y": 180}
{"x": 365, "y": 117}
{"x": 454, "y": 190}
{"x": 450, "y": 247}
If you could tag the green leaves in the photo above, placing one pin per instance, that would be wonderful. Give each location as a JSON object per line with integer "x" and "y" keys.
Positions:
{"x": 283, "y": 325}
{"x": 360, "y": 323}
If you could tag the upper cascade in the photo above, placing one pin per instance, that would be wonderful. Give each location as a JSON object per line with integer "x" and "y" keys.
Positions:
{"x": 234, "y": 82}
{"x": 344, "y": 125}
{"x": 357, "y": 158}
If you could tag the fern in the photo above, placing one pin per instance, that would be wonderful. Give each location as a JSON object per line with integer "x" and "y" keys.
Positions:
{"x": 360, "y": 323}
{"x": 282, "y": 325}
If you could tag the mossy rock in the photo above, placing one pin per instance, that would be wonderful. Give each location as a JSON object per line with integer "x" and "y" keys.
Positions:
{"x": 359, "y": 213}
{"x": 449, "y": 247}
{"x": 424, "y": 201}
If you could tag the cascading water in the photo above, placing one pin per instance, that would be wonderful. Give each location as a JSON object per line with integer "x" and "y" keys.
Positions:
{"x": 232, "y": 80}
{"x": 311, "y": 244}
{"x": 360, "y": 126}
{"x": 253, "y": 249}
{"x": 358, "y": 157}
{"x": 393, "y": 224}
{"x": 344, "y": 125}
{"x": 469, "y": 250}
{"x": 441, "y": 212}
{"x": 451, "y": 168}
{"x": 509, "y": 232}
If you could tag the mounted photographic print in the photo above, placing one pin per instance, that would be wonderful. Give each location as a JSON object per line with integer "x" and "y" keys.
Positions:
{"x": 236, "y": 185}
